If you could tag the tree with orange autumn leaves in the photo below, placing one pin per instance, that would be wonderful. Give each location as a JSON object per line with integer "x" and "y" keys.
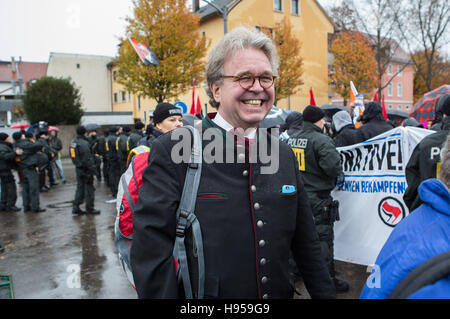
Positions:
{"x": 438, "y": 71}
{"x": 354, "y": 60}
{"x": 290, "y": 70}
{"x": 170, "y": 30}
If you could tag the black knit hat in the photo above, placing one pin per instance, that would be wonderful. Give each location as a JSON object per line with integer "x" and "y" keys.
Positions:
{"x": 126, "y": 129}
{"x": 29, "y": 135}
{"x": 313, "y": 114}
{"x": 17, "y": 135}
{"x": 139, "y": 125}
{"x": 165, "y": 110}
{"x": 81, "y": 130}
{"x": 3, "y": 136}
{"x": 113, "y": 129}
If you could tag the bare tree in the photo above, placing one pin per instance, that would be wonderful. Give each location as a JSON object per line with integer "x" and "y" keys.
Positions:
{"x": 423, "y": 28}
{"x": 377, "y": 19}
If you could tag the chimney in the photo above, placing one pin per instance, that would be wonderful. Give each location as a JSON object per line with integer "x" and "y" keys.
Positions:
{"x": 14, "y": 67}
{"x": 195, "y": 5}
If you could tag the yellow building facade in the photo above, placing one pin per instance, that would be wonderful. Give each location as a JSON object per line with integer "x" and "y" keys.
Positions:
{"x": 124, "y": 101}
{"x": 310, "y": 24}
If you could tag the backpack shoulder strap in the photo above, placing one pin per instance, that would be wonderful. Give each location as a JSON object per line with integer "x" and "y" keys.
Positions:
{"x": 425, "y": 274}
{"x": 186, "y": 218}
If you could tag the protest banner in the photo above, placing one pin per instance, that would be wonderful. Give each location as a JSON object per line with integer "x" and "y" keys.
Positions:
{"x": 371, "y": 197}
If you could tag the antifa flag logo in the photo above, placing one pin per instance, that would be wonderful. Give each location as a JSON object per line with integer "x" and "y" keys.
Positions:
{"x": 391, "y": 211}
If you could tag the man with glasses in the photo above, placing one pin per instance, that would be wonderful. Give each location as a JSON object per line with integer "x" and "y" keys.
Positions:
{"x": 250, "y": 219}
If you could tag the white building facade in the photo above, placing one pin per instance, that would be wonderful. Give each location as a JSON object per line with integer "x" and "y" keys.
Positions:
{"x": 89, "y": 73}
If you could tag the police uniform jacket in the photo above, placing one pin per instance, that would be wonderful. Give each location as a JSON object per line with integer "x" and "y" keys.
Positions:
{"x": 134, "y": 139}
{"x": 86, "y": 160}
{"x": 319, "y": 161}
{"x": 248, "y": 226}
{"x": 423, "y": 164}
{"x": 7, "y": 157}
{"x": 30, "y": 156}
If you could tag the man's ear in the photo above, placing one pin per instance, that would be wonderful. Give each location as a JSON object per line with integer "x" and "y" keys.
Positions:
{"x": 215, "y": 89}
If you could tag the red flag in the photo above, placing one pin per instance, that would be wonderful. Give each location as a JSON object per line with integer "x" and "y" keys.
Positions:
{"x": 192, "y": 111}
{"x": 383, "y": 108}
{"x": 196, "y": 107}
{"x": 311, "y": 98}
{"x": 375, "y": 97}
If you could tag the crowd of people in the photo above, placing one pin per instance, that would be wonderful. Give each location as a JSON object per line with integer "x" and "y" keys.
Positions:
{"x": 36, "y": 158}
{"x": 253, "y": 229}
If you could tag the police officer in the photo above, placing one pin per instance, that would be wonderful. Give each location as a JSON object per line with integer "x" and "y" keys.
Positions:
{"x": 28, "y": 164}
{"x": 424, "y": 162}
{"x": 121, "y": 147}
{"x": 320, "y": 165}
{"x": 84, "y": 161}
{"x": 101, "y": 149}
{"x": 7, "y": 162}
{"x": 136, "y": 135}
{"x": 94, "y": 146}
{"x": 113, "y": 159}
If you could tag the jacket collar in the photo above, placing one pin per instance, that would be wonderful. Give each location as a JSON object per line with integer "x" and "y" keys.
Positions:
{"x": 308, "y": 126}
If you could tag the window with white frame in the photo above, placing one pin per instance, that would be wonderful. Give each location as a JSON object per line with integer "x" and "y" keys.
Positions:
{"x": 390, "y": 69}
{"x": 399, "y": 107}
{"x": 407, "y": 107}
{"x": 390, "y": 89}
{"x": 278, "y": 5}
{"x": 399, "y": 90}
{"x": 295, "y": 7}
{"x": 115, "y": 97}
{"x": 390, "y": 106}
{"x": 399, "y": 70}
{"x": 124, "y": 96}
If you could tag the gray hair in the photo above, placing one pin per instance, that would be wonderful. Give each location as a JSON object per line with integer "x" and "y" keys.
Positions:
{"x": 238, "y": 39}
{"x": 444, "y": 171}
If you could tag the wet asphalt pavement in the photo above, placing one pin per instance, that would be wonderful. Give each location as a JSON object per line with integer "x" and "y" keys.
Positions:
{"x": 54, "y": 255}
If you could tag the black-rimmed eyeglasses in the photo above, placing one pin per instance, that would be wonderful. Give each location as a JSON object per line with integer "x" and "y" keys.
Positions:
{"x": 248, "y": 80}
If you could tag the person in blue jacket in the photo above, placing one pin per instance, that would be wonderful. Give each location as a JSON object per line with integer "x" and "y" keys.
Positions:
{"x": 422, "y": 235}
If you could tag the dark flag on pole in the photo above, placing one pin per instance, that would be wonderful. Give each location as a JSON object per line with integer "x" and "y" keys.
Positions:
{"x": 146, "y": 55}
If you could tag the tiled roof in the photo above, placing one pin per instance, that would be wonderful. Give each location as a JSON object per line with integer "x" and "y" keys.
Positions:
{"x": 32, "y": 70}
{"x": 27, "y": 70}
{"x": 5, "y": 71}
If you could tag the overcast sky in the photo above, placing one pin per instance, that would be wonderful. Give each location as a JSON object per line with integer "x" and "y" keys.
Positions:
{"x": 34, "y": 28}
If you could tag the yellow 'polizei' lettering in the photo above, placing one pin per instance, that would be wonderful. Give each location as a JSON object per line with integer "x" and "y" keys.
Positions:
{"x": 300, "y": 154}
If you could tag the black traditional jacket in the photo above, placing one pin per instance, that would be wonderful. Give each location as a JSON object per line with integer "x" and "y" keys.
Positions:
{"x": 248, "y": 223}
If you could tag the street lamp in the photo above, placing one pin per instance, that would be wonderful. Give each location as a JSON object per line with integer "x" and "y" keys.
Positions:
{"x": 224, "y": 11}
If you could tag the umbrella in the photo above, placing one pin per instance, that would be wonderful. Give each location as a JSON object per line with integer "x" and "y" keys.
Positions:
{"x": 396, "y": 113}
{"x": 331, "y": 109}
{"x": 53, "y": 128}
{"x": 21, "y": 126}
{"x": 275, "y": 117}
{"x": 33, "y": 127}
{"x": 92, "y": 126}
{"x": 424, "y": 108}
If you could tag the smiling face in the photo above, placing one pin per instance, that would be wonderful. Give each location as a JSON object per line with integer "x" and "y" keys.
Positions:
{"x": 239, "y": 107}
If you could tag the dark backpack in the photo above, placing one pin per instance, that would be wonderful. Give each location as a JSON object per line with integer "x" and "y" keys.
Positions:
{"x": 127, "y": 196}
